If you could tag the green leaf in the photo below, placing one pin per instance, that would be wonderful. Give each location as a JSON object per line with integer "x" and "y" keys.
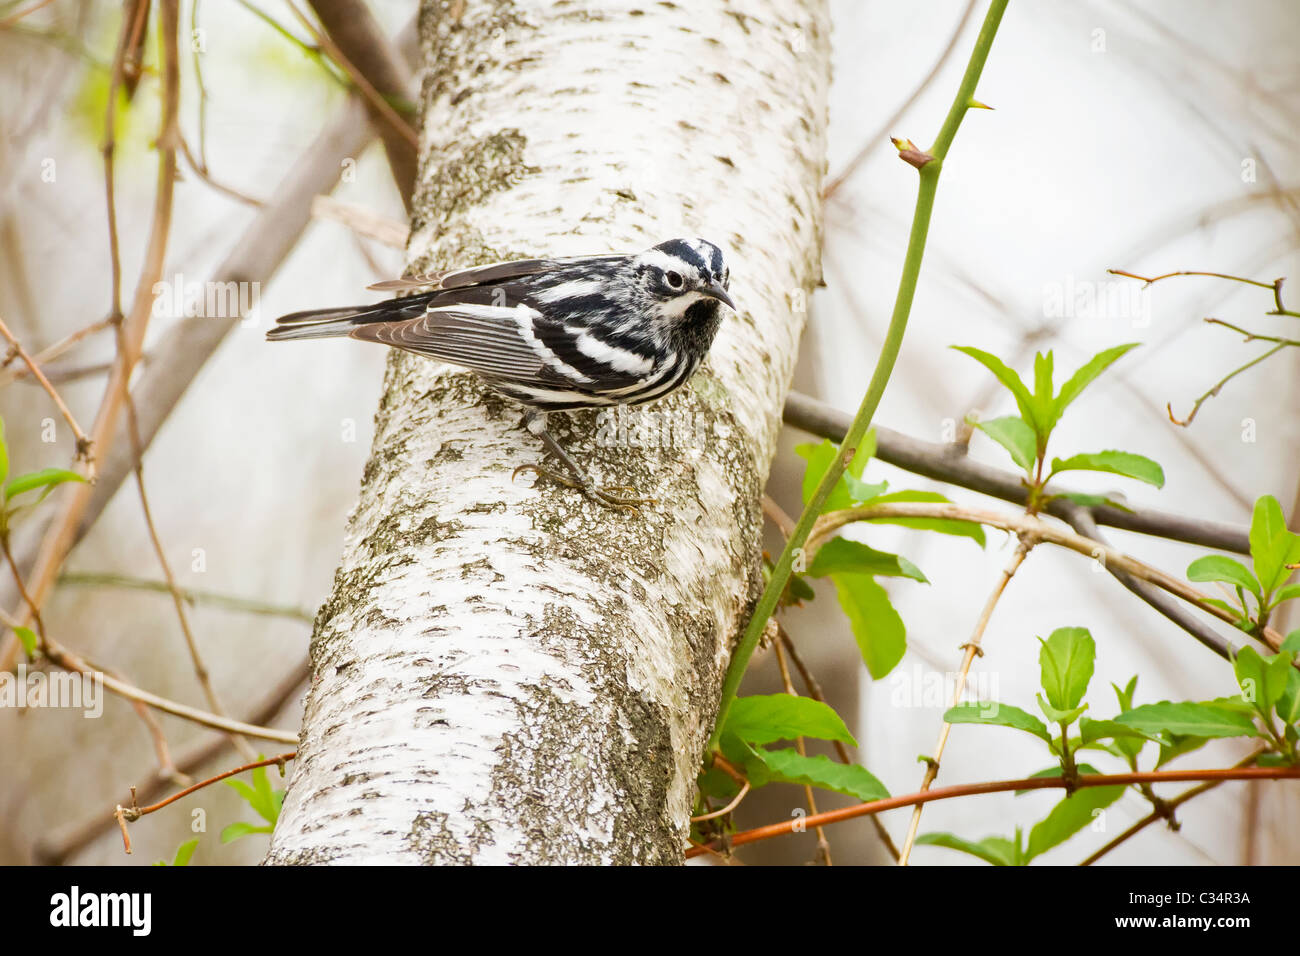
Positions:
{"x": 879, "y": 631}
{"x": 798, "y": 589}
{"x": 1218, "y": 567}
{"x": 789, "y": 766}
{"x": 1262, "y": 681}
{"x": 1242, "y": 619}
{"x": 1272, "y": 545}
{"x": 1188, "y": 718}
{"x": 1287, "y": 593}
{"x": 244, "y": 790}
{"x": 745, "y": 757}
{"x": 1070, "y": 816}
{"x": 1288, "y": 702}
{"x": 1066, "y": 660}
{"x": 840, "y": 555}
{"x": 964, "y": 529}
{"x": 1175, "y": 745}
{"x": 716, "y": 784}
{"x": 1092, "y": 730}
{"x": 1056, "y": 716}
{"x": 264, "y": 801}
{"x": 46, "y": 478}
{"x": 27, "y": 638}
{"x": 1291, "y": 643}
{"x": 1044, "y": 394}
{"x": 1024, "y": 401}
{"x": 184, "y": 852}
{"x": 859, "y": 490}
{"x": 238, "y": 830}
{"x": 998, "y": 851}
{"x": 1094, "y": 501}
{"x": 763, "y": 718}
{"x": 820, "y": 457}
{"x": 1087, "y": 373}
{"x": 1113, "y": 462}
{"x": 1125, "y": 696}
{"x": 999, "y": 715}
{"x": 1015, "y": 435}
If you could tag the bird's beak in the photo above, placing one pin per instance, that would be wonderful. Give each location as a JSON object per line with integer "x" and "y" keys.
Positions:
{"x": 714, "y": 290}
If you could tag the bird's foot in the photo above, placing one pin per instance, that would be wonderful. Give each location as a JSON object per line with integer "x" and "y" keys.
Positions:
{"x": 605, "y": 496}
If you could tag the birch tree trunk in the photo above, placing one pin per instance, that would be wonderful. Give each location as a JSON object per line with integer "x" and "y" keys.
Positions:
{"x": 508, "y": 672}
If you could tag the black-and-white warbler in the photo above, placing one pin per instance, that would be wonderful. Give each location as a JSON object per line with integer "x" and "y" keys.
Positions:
{"x": 554, "y": 334}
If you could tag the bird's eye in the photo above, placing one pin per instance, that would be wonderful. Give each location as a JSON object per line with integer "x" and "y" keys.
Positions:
{"x": 674, "y": 279}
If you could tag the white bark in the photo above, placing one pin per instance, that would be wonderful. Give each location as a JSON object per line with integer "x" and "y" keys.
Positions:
{"x": 509, "y": 673}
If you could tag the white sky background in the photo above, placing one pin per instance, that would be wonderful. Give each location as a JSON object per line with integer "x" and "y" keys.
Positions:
{"x": 1091, "y": 160}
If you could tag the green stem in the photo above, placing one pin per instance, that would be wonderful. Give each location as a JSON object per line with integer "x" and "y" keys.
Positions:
{"x": 229, "y": 602}
{"x": 929, "y": 182}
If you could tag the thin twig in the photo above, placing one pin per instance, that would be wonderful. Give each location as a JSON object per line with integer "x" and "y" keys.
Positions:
{"x": 63, "y": 531}
{"x": 191, "y": 595}
{"x": 201, "y": 672}
{"x": 162, "y": 751}
{"x": 70, "y": 661}
{"x": 878, "y": 138}
{"x": 201, "y": 170}
{"x": 823, "y": 846}
{"x": 1218, "y": 387}
{"x": 362, "y": 220}
{"x": 55, "y": 850}
{"x": 1080, "y": 519}
{"x": 945, "y": 463}
{"x": 1165, "y": 811}
{"x": 51, "y": 352}
{"x": 15, "y": 17}
{"x": 1038, "y": 530}
{"x": 368, "y": 90}
{"x": 973, "y": 648}
{"x": 85, "y": 449}
{"x": 135, "y": 813}
{"x": 814, "y": 690}
{"x": 185, "y": 347}
{"x": 744, "y": 790}
{"x": 778, "y": 515}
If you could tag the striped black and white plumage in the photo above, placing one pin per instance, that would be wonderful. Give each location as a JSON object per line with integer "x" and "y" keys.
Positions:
{"x": 554, "y": 334}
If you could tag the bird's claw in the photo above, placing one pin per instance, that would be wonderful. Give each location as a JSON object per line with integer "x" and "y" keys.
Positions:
{"x": 602, "y": 495}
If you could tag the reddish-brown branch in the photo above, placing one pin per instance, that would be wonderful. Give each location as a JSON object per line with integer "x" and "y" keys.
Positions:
{"x": 135, "y": 813}
{"x": 1001, "y": 786}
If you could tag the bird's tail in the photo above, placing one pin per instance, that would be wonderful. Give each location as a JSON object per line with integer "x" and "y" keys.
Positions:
{"x": 326, "y": 323}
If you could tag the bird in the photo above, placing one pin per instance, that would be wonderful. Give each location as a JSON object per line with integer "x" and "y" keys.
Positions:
{"x": 553, "y": 334}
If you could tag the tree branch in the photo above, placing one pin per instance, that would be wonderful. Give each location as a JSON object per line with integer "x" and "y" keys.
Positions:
{"x": 946, "y": 463}
{"x": 997, "y": 786}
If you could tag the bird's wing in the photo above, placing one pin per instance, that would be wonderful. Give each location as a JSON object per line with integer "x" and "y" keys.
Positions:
{"x": 493, "y": 340}
{"x": 496, "y": 272}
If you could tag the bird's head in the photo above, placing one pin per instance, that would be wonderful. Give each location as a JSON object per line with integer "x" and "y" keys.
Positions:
{"x": 680, "y": 273}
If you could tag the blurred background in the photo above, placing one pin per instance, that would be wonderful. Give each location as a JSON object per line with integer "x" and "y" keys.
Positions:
{"x": 1149, "y": 137}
